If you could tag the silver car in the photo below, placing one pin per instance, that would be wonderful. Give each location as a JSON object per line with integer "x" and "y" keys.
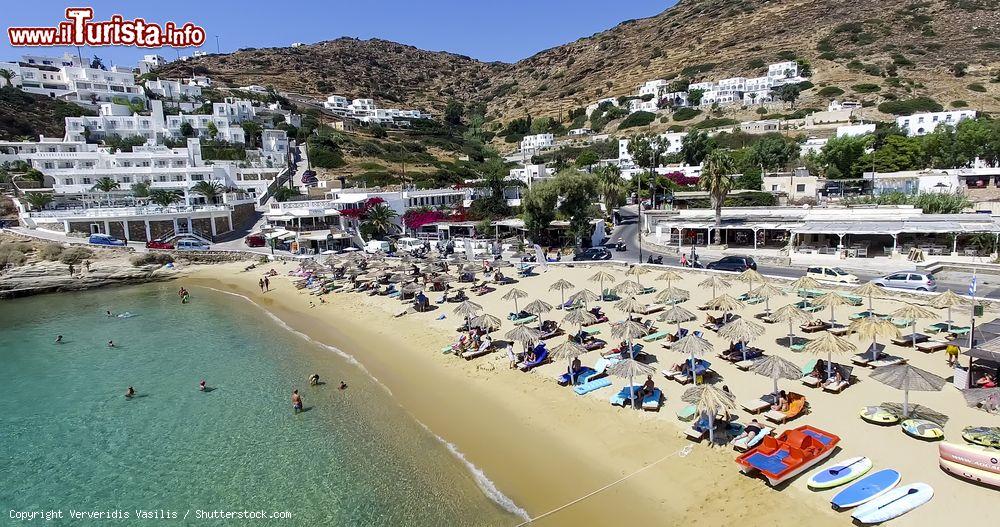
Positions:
{"x": 912, "y": 280}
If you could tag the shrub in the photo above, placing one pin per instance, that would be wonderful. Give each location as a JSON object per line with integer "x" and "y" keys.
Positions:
{"x": 976, "y": 87}
{"x": 696, "y": 69}
{"x": 686, "y": 114}
{"x": 675, "y": 128}
{"x": 959, "y": 68}
{"x": 714, "y": 123}
{"x": 75, "y": 255}
{"x": 901, "y": 61}
{"x": 50, "y": 251}
{"x": 11, "y": 256}
{"x": 828, "y": 55}
{"x": 830, "y": 91}
{"x": 959, "y": 104}
{"x": 910, "y": 106}
{"x": 151, "y": 258}
{"x": 756, "y": 64}
{"x": 637, "y": 119}
{"x": 866, "y": 88}
{"x": 786, "y": 55}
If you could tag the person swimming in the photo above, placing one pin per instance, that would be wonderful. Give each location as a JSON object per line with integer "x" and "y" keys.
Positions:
{"x": 59, "y": 339}
{"x": 296, "y": 401}
{"x": 109, "y": 313}
{"x": 343, "y": 385}
{"x": 111, "y": 343}
{"x": 314, "y": 379}
{"x": 130, "y": 393}
{"x": 201, "y": 385}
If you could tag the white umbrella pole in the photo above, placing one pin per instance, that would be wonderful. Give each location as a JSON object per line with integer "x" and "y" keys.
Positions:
{"x": 829, "y": 364}
{"x": 949, "y": 319}
{"x": 791, "y": 334}
{"x": 631, "y": 390}
{"x": 906, "y": 403}
{"x": 711, "y": 427}
{"x": 775, "y": 378}
{"x": 694, "y": 378}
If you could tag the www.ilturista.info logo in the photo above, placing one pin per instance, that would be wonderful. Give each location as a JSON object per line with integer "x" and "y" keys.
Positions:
{"x": 79, "y": 30}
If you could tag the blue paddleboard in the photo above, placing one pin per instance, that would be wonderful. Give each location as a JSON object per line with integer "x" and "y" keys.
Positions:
{"x": 866, "y": 488}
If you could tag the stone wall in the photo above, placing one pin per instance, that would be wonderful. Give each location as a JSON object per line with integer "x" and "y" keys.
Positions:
{"x": 117, "y": 229}
{"x": 222, "y": 224}
{"x": 160, "y": 228}
{"x": 243, "y": 214}
{"x": 137, "y": 231}
{"x": 82, "y": 227}
{"x": 203, "y": 226}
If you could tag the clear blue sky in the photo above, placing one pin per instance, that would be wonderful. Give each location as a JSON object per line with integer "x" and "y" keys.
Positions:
{"x": 506, "y": 30}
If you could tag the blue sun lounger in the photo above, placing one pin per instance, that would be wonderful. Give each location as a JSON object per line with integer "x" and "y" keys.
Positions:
{"x": 585, "y": 373}
{"x": 624, "y": 395}
{"x": 591, "y": 385}
{"x": 652, "y": 401}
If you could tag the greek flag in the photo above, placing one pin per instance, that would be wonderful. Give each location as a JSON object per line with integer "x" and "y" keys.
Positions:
{"x": 972, "y": 286}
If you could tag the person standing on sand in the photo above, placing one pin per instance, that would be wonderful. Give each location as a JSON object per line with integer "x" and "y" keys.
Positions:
{"x": 296, "y": 401}
{"x": 261, "y": 283}
{"x": 267, "y": 283}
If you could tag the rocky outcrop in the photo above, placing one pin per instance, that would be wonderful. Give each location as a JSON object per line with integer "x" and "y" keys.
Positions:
{"x": 49, "y": 277}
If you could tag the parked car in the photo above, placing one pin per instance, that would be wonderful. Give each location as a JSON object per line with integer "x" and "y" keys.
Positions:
{"x": 374, "y": 246}
{"x": 104, "y": 239}
{"x": 912, "y": 280}
{"x": 255, "y": 240}
{"x": 406, "y": 244}
{"x": 831, "y": 274}
{"x": 594, "y": 253}
{"x": 736, "y": 264}
{"x": 191, "y": 244}
{"x": 159, "y": 244}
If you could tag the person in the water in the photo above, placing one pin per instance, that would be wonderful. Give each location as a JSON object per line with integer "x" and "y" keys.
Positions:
{"x": 201, "y": 385}
{"x": 314, "y": 379}
{"x": 296, "y": 401}
{"x": 59, "y": 339}
{"x": 343, "y": 385}
{"x": 109, "y": 314}
{"x": 130, "y": 393}
{"x": 111, "y": 343}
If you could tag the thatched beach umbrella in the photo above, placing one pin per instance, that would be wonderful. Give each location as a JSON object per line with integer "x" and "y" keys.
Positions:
{"x": 695, "y": 347}
{"x": 870, "y": 329}
{"x": 869, "y": 289}
{"x": 669, "y": 277}
{"x": 538, "y": 307}
{"x": 672, "y": 295}
{"x": 486, "y": 322}
{"x": 775, "y": 367}
{"x": 579, "y": 317}
{"x": 715, "y": 282}
{"x": 767, "y": 292}
{"x": 568, "y": 350}
{"x": 412, "y": 288}
{"x": 628, "y": 288}
{"x": 710, "y": 400}
{"x": 629, "y": 330}
{"x": 676, "y": 315}
{"x": 724, "y": 303}
{"x": 741, "y": 330}
{"x": 913, "y": 312}
{"x": 804, "y": 282}
{"x": 750, "y": 276}
{"x": 831, "y": 300}
{"x": 583, "y": 296}
{"x": 629, "y": 305}
{"x": 602, "y": 276}
{"x": 974, "y": 396}
{"x": 628, "y": 368}
{"x": 828, "y": 344}
{"x": 948, "y": 300}
{"x": 525, "y": 335}
{"x": 637, "y": 271}
{"x": 906, "y": 377}
{"x": 561, "y": 286}
{"x": 468, "y": 309}
{"x": 514, "y": 294}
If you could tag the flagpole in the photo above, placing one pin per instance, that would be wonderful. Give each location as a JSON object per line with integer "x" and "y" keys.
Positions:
{"x": 972, "y": 328}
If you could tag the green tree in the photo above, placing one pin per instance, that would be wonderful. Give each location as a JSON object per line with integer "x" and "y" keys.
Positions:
{"x": 538, "y": 208}
{"x": 163, "y": 198}
{"x": 210, "y": 190}
{"x": 694, "y": 97}
{"x": 788, "y": 93}
{"x": 979, "y": 138}
{"x": 576, "y": 193}
{"x": 8, "y": 77}
{"x": 587, "y": 159}
{"x": 38, "y": 200}
{"x": 612, "y": 187}
{"x": 495, "y": 177}
{"x": 33, "y": 174}
{"x": 773, "y": 152}
{"x": 845, "y": 154}
{"x": 696, "y": 146}
{"x": 379, "y": 220}
{"x": 187, "y": 131}
{"x": 213, "y": 131}
{"x": 106, "y": 185}
{"x": 717, "y": 178}
{"x": 251, "y": 131}
{"x": 453, "y": 112}
{"x": 900, "y": 153}
{"x": 285, "y": 193}
{"x": 140, "y": 189}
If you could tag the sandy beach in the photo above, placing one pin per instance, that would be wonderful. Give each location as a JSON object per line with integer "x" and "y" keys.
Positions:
{"x": 543, "y": 446}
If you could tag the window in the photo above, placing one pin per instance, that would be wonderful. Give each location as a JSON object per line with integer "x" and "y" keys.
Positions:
{"x": 897, "y": 277}
{"x": 800, "y": 187}
{"x": 813, "y": 270}
{"x": 68, "y": 181}
{"x": 829, "y": 272}
{"x": 774, "y": 188}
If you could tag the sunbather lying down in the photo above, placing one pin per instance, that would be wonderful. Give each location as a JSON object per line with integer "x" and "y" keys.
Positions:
{"x": 749, "y": 431}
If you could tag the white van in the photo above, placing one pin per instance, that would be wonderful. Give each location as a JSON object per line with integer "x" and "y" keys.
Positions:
{"x": 191, "y": 244}
{"x": 374, "y": 246}
{"x": 409, "y": 244}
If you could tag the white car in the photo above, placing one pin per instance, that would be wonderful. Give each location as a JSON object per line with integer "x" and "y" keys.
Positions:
{"x": 374, "y": 246}
{"x": 191, "y": 244}
{"x": 409, "y": 244}
{"x": 831, "y": 274}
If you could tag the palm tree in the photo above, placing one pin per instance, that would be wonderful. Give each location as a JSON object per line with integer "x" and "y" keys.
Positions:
{"x": 612, "y": 186}
{"x": 38, "y": 200}
{"x": 379, "y": 220}
{"x": 140, "y": 189}
{"x": 210, "y": 190}
{"x": 716, "y": 178}
{"x": 8, "y": 76}
{"x": 163, "y": 198}
{"x": 106, "y": 185}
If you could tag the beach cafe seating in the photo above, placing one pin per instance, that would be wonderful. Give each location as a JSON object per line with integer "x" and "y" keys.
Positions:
{"x": 597, "y": 380}
{"x": 746, "y": 298}
{"x": 867, "y": 314}
{"x": 650, "y": 402}
{"x": 845, "y": 375}
{"x": 699, "y": 430}
{"x": 866, "y": 358}
{"x": 649, "y": 309}
{"x": 579, "y": 377}
{"x": 796, "y": 405}
{"x": 484, "y": 349}
{"x": 807, "y": 306}
{"x": 550, "y": 328}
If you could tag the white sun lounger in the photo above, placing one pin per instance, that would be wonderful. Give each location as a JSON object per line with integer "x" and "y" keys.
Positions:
{"x": 755, "y": 406}
{"x": 746, "y": 443}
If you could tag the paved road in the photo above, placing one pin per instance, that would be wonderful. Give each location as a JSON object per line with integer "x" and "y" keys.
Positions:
{"x": 988, "y": 286}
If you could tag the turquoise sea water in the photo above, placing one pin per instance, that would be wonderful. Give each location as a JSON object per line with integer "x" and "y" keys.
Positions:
{"x": 70, "y": 440}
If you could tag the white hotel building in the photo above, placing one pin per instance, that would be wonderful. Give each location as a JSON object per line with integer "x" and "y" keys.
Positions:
{"x": 70, "y": 79}
{"x": 366, "y": 111}
{"x": 173, "y": 90}
{"x": 537, "y": 142}
{"x": 925, "y": 123}
{"x": 670, "y": 142}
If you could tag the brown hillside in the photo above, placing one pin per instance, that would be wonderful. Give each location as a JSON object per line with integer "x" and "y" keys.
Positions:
{"x": 847, "y": 43}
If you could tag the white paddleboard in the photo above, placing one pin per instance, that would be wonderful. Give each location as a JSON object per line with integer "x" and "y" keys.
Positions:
{"x": 844, "y": 472}
{"x": 894, "y": 503}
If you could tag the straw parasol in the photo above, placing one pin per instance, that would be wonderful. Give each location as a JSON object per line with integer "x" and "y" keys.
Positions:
{"x": 628, "y": 368}
{"x": 710, "y": 400}
{"x": 750, "y": 276}
{"x": 974, "y": 396}
{"x": 916, "y": 411}
{"x": 514, "y": 294}
{"x": 767, "y": 292}
{"x": 602, "y": 276}
{"x": 672, "y": 295}
{"x": 487, "y": 322}
{"x": 525, "y": 335}
{"x": 468, "y": 309}
{"x": 630, "y": 330}
{"x": 831, "y": 300}
{"x": 829, "y": 344}
{"x": 906, "y": 377}
{"x": 715, "y": 282}
{"x": 637, "y": 271}
{"x": 871, "y": 328}
{"x": 694, "y": 346}
{"x": 568, "y": 350}
{"x": 669, "y": 276}
{"x": 791, "y": 314}
{"x": 628, "y": 288}
{"x": 628, "y": 305}
{"x": 724, "y": 303}
{"x": 948, "y": 300}
{"x": 775, "y": 367}
{"x": 580, "y": 317}
{"x": 741, "y": 330}
{"x": 412, "y": 288}
{"x": 583, "y": 296}
{"x": 912, "y": 312}
{"x": 561, "y": 286}
{"x": 676, "y": 315}
{"x": 804, "y": 282}
{"x": 538, "y": 307}
{"x": 869, "y": 290}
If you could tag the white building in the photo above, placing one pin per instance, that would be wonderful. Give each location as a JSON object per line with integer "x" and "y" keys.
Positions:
{"x": 813, "y": 145}
{"x": 366, "y": 111}
{"x": 783, "y": 73}
{"x": 654, "y": 87}
{"x": 150, "y": 63}
{"x": 670, "y": 142}
{"x": 113, "y": 119}
{"x": 236, "y": 110}
{"x": 537, "y": 142}
{"x": 254, "y": 88}
{"x": 531, "y": 173}
{"x": 70, "y": 79}
{"x": 925, "y": 123}
{"x": 201, "y": 80}
{"x": 173, "y": 90}
{"x": 581, "y": 131}
{"x": 639, "y": 105}
{"x": 855, "y": 130}
{"x": 608, "y": 100}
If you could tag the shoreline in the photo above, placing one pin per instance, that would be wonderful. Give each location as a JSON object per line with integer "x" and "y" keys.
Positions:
{"x": 539, "y": 447}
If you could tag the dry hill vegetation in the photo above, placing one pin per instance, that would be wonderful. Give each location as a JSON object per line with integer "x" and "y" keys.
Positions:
{"x": 895, "y": 50}
{"x": 26, "y": 115}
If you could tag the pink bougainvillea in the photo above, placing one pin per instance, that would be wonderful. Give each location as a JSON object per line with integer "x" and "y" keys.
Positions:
{"x": 681, "y": 180}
